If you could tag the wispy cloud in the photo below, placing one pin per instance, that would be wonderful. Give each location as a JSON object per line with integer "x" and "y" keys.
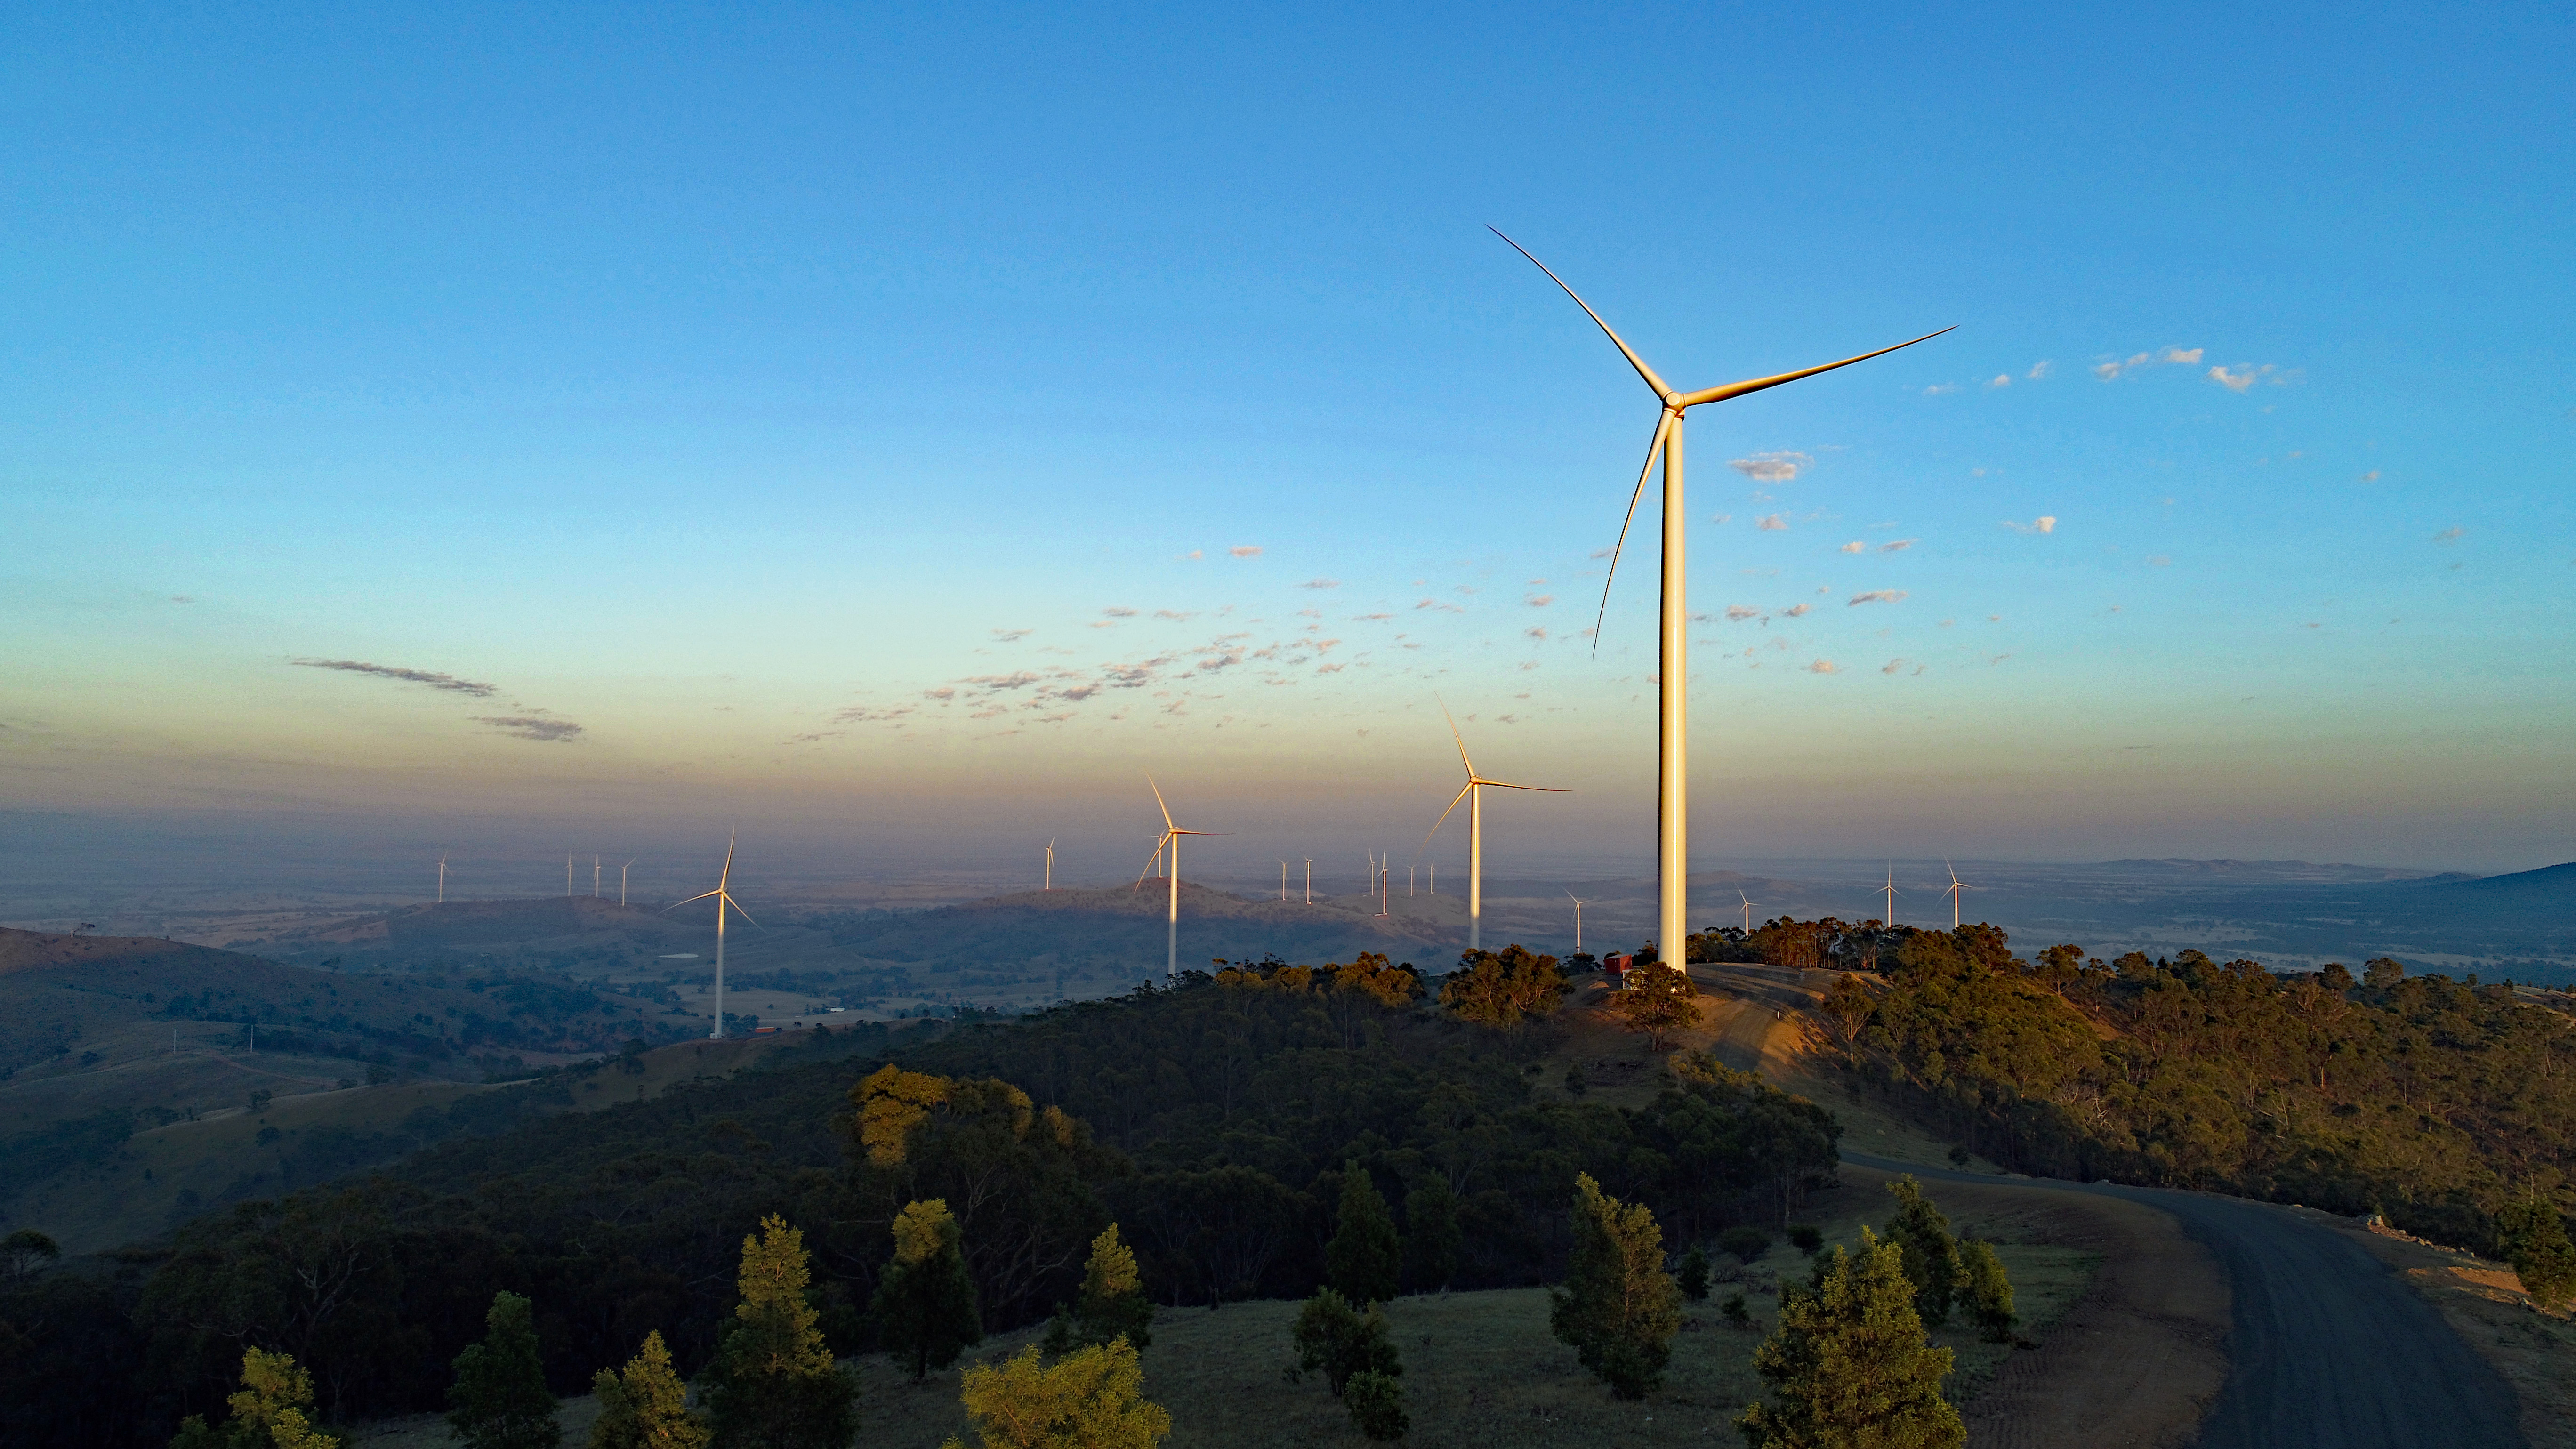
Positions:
{"x": 2370, "y": 477}
{"x": 1245, "y": 550}
{"x": 531, "y": 727}
{"x": 881, "y": 714}
{"x": 1321, "y": 584}
{"x": 1541, "y": 601}
{"x": 1797, "y": 611}
{"x": 1855, "y": 546}
{"x": 1194, "y": 554}
{"x": 1879, "y": 596}
{"x": 1823, "y": 666}
{"x": 1894, "y": 666}
{"x": 2165, "y": 357}
{"x": 1536, "y": 631}
{"x": 2040, "y": 370}
{"x": 1771, "y": 467}
{"x": 1445, "y": 608}
{"x": 1011, "y": 636}
{"x": 1738, "y": 613}
{"x": 2045, "y": 523}
{"x": 432, "y": 678}
{"x": 1119, "y": 613}
{"x": 2450, "y": 535}
{"x": 1939, "y": 388}
{"x": 1774, "y": 523}
{"x": 1899, "y": 545}
{"x": 1175, "y": 615}
{"x": 2002, "y": 379}
{"x": 2246, "y": 374}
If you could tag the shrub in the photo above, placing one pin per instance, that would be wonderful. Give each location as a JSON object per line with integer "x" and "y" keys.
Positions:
{"x": 645, "y": 1406}
{"x": 1339, "y": 1341}
{"x": 1618, "y": 1309}
{"x": 1850, "y": 1365}
{"x": 925, "y": 1304}
{"x": 1809, "y": 1238}
{"x": 1363, "y": 1259}
{"x": 1092, "y": 1399}
{"x": 1376, "y": 1402}
{"x": 1735, "y": 1311}
{"x": 1693, "y": 1277}
{"x": 2535, "y": 1242}
{"x": 1986, "y": 1290}
{"x": 1746, "y": 1243}
{"x": 1921, "y": 1234}
{"x": 1112, "y": 1305}
{"x": 500, "y": 1399}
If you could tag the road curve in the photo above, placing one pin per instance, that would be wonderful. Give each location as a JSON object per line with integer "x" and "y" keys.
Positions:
{"x": 2328, "y": 1349}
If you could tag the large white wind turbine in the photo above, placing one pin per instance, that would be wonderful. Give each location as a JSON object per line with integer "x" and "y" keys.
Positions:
{"x": 1171, "y": 840}
{"x": 621, "y": 881}
{"x": 1672, "y": 815}
{"x": 1889, "y": 890}
{"x": 1748, "y": 909}
{"x": 1955, "y": 889}
{"x": 1473, "y": 792}
{"x": 594, "y": 877}
{"x": 1578, "y": 921}
{"x": 1310, "y": 880}
{"x": 722, "y": 895}
{"x": 442, "y": 880}
{"x": 1050, "y": 865}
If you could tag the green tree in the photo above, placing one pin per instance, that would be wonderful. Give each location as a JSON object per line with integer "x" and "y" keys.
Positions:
{"x": 1376, "y": 1402}
{"x": 1619, "y": 1308}
{"x": 1693, "y": 1277}
{"x": 26, "y": 1253}
{"x": 1364, "y": 1258}
{"x": 645, "y": 1405}
{"x": 500, "y": 1399}
{"x": 1503, "y": 989}
{"x": 1337, "y": 1340}
{"x": 1922, "y": 1235}
{"x": 1112, "y": 1304}
{"x": 1658, "y": 1001}
{"x": 1986, "y": 1290}
{"x": 925, "y": 1305}
{"x": 1431, "y": 1235}
{"x": 1091, "y": 1399}
{"x": 773, "y": 1384}
{"x": 270, "y": 1412}
{"x": 1850, "y": 1366}
{"x": 2535, "y": 1243}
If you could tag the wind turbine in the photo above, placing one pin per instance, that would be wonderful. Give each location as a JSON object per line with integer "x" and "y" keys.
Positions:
{"x": 1578, "y": 921}
{"x": 723, "y": 897}
{"x": 1889, "y": 890}
{"x": 594, "y": 877}
{"x": 1672, "y": 683}
{"x": 1310, "y": 880}
{"x": 1050, "y": 865}
{"x": 442, "y": 880}
{"x": 1956, "y": 887}
{"x": 621, "y": 881}
{"x": 567, "y": 877}
{"x": 1172, "y": 924}
{"x": 1283, "y": 882}
{"x": 1473, "y": 792}
{"x": 1748, "y": 909}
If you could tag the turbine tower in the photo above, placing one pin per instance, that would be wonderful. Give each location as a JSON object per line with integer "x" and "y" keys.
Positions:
{"x": 1956, "y": 887}
{"x": 442, "y": 880}
{"x": 1310, "y": 880}
{"x": 621, "y": 881}
{"x": 723, "y": 897}
{"x": 1283, "y": 882}
{"x": 594, "y": 877}
{"x": 1172, "y": 923}
{"x": 1672, "y": 686}
{"x": 1473, "y": 792}
{"x": 567, "y": 877}
{"x": 1578, "y": 921}
{"x": 1889, "y": 890}
{"x": 1050, "y": 865}
{"x": 1748, "y": 909}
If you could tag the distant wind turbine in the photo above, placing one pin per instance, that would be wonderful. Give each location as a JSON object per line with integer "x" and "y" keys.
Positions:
{"x": 1310, "y": 880}
{"x": 1473, "y": 792}
{"x": 594, "y": 877}
{"x": 1748, "y": 909}
{"x": 1283, "y": 882}
{"x": 1956, "y": 888}
{"x": 621, "y": 881}
{"x": 722, "y": 895}
{"x": 1672, "y": 688}
{"x": 442, "y": 880}
{"x": 1172, "y": 841}
{"x": 1578, "y": 921}
{"x": 1050, "y": 865}
{"x": 1889, "y": 890}
{"x": 567, "y": 877}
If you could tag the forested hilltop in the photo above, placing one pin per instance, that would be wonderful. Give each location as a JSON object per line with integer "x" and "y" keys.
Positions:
{"x": 1214, "y": 1122}
{"x": 2437, "y": 1102}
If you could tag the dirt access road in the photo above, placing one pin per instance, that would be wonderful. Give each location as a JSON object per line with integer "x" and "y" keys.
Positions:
{"x": 2326, "y": 1345}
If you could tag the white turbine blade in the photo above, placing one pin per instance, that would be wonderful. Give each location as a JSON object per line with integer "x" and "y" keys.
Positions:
{"x": 1149, "y": 860}
{"x": 1625, "y": 350}
{"x": 1444, "y": 817}
{"x": 1757, "y": 384}
{"x": 739, "y": 911}
{"x": 1542, "y": 789}
{"x": 1158, "y": 801}
{"x": 691, "y": 901}
{"x": 1663, "y": 427}
{"x": 1461, "y": 739}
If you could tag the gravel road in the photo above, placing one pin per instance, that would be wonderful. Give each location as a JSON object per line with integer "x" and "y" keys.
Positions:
{"x": 2328, "y": 1349}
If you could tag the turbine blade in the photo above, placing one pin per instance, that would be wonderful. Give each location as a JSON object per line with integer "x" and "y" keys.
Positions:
{"x": 1739, "y": 389}
{"x": 691, "y": 901}
{"x": 1149, "y": 860}
{"x": 1444, "y": 817}
{"x": 1542, "y": 789}
{"x": 739, "y": 911}
{"x": 1158, "y": 800}
{"x": 1663, "y": 426}
{"x": 1461, "y": 739}
{"x": 1625, "y": 350}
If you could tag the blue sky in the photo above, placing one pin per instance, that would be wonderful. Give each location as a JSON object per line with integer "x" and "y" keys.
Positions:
{"x": 738, "y": 387}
